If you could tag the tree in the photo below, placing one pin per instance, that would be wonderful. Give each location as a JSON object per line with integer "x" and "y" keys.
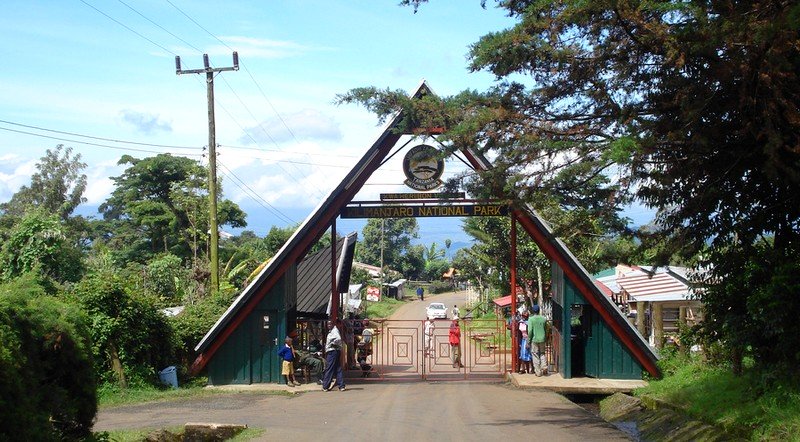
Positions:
{"x": 47, "y": 384}
{"x": 692, "y": 107}
{"x": 160, "y": 205}
{"x": 395, "y": 234}
{"x": 38, "y": 243}
{"x": 131, "y": 338}
{"x": 57, "y": 187}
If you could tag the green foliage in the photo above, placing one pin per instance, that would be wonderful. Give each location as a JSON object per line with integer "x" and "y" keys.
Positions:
{"x": 47, "y": 386}
{"x": 398, "y": 254}
{"x": 159, "y": 204}
{"x": 38, "y": 243}
{"x": 752, "y": 304}
{"x": 383, "y": 308}
{"x": 691, "y": 108}
{"x": 197, "y": 319}
{"x": 56, "y": 188}
{"x": 165, "y": 279}
{"x": 440, "y": 287}
{"x": 745, "y": 405}
{"x": 124, "y": 325}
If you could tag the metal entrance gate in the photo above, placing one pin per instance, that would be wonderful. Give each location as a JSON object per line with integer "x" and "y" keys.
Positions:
{"x": 397, "y": 350}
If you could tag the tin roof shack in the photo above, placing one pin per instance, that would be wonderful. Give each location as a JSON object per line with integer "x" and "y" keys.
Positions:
{"x": 657, "y": 299}
{"x": 248, "y": 355}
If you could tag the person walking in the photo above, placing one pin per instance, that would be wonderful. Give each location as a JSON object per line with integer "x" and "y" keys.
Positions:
{"x": 287, "y": 366}
{"x": 333, "y": 360}
{"x": 455, "y": 343}
{"x": 537, "y": 332}
{"x": 456, "y": 312}
{"x": 421, "y": 293}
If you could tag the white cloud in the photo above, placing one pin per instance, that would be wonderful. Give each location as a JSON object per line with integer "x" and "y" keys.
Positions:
{"x": 16, "y": 176}
{"x": 145, "y": 122}
{"x": 307, "y": 124}
{"x": 252, "y": 47}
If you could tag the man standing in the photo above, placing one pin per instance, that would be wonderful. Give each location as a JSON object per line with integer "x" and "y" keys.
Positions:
{"x": 537, "y": 333}
{"x": 455, "y": 344}
{"x": 421, "y": 293}
{"x": 428, "y": 332}
{"x": 456, "y": 312}
{"x": 333, "y": 360}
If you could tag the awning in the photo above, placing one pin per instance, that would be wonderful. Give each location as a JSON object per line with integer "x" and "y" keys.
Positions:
{"x": 505, "y": 301}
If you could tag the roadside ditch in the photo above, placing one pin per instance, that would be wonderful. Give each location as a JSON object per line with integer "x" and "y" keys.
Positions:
{"x": 649, "y": 420}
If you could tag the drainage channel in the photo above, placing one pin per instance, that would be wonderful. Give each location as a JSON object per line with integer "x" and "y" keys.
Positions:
{"x": 591, "y": 403}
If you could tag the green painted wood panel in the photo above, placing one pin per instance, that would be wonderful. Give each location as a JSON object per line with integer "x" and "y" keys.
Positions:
{"x": 604, "y": 355}
{"x": 249, "y": 355}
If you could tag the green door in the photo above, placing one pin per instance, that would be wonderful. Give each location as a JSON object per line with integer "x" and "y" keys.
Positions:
{"x": 593, "y": 336}
{"x": 264, "y": 363}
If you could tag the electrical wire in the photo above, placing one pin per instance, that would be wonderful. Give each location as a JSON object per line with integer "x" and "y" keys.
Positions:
{"x": 75, "y": 134}
{"x": 130, "y": 149}
{"x": 253, "y": 194}
{"x": 161, "y": 27}
{"x": 126, "y": 26}
{"x": 244, "y": 66}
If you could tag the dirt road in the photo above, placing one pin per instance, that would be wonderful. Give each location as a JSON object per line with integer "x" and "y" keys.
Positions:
{"x": 381, "y": 411}
{"x": 385, "y": 410}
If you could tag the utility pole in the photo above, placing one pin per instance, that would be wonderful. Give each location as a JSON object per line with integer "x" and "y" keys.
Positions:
{"x": 212, "y": 156}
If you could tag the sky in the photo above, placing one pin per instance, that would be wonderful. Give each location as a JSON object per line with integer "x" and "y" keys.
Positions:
{"x": 106, "y": 69}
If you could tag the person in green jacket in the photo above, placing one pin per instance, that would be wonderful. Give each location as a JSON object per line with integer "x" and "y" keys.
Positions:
{"x": 537, "y": 333}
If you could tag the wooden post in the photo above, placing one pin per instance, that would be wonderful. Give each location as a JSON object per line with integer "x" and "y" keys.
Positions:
{"x": 514, "y": 325}
{"x": 658, "y": 325}
{"x": 334, "y": 290}
{"x": 640, "y": 318}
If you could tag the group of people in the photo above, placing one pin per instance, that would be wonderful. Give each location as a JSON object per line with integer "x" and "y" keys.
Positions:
{"x": 453, "y": 338}
{"x": 532, "y": 337}
{"x": 333, "y": 359}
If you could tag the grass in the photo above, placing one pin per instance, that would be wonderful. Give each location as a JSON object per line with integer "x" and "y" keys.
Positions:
{"x": 740, "y": 404}
{"x": 113, "y": 396}
{"x": 383, "y": 308}
{"x": 137, "y": 435}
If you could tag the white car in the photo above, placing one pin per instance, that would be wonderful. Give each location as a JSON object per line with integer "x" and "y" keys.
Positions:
{"x": 436, "y": 310}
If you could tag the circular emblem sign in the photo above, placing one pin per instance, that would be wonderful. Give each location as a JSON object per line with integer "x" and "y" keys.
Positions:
{"x": 423, "y": 167}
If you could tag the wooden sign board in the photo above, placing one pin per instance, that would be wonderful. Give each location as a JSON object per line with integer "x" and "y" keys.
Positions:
{"x": 423, "y": 196}
{"x": 419, "y": 211}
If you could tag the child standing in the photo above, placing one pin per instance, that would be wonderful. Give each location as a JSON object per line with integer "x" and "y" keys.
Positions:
{"x": 524, "y": 346}
{"x": 287, "y": 368}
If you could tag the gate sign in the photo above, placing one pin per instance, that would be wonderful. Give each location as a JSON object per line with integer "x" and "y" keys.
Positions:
{"x": 423, "y": 168}
{"x": 373, "y": 294}
{"x": 419, "y": 211}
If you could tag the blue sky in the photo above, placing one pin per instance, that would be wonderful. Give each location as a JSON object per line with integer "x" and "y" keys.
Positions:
{"x": 69, "y": 67}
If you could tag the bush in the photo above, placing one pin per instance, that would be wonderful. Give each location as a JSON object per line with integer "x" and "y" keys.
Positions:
{"x": 132, "y": 338}
{"x": 440, "y": 287}
{"x": 47, "y": 386}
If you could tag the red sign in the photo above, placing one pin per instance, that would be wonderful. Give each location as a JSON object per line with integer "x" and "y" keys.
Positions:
{"x": 373, "y": 294}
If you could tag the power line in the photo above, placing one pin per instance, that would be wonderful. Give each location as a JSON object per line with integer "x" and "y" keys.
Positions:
{"x": 75, "y": 134}
{"x": 125, "y": 26}
{"x": 258, "y": 86}
{"x": 130, "y": 149}
{"x": 137, "y": 143}
{"x": 161, "y": 27}
{"x": 256, "y": 142}
{"x": 261, "y": 149}
{"x": 253, "y": 194}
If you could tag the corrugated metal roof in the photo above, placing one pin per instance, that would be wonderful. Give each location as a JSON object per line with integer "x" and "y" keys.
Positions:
{"x": 660, "y": 282}
{"x": 314, "y": 277}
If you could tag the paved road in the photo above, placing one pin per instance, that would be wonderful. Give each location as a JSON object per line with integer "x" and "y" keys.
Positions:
{"x": 383, "y": 411}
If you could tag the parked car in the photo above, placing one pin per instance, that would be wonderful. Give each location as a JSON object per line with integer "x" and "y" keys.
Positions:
{"x": 436, "y": 310}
